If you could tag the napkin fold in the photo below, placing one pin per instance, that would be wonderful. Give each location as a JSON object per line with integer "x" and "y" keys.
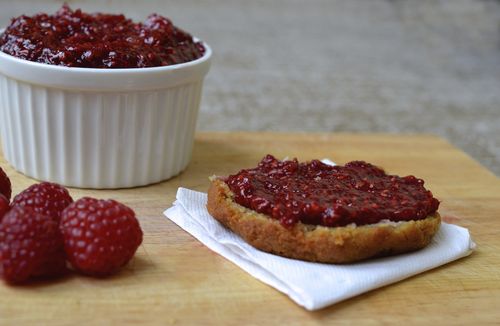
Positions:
{"x": 314, "y": 285}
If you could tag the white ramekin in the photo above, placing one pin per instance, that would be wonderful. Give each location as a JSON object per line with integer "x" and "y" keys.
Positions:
{"x": 99, "y": 128}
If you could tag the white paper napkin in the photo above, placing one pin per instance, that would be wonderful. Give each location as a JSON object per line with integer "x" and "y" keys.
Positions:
{"x": 314, "y": 285}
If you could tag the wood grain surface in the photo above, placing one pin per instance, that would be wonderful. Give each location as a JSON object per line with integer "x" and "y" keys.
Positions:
{"x": 174, "y": 279}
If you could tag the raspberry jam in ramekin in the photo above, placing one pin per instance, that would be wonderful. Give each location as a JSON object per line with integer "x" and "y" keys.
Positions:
{"x": 64, "y": 118}
{"x": 78, "y": 39}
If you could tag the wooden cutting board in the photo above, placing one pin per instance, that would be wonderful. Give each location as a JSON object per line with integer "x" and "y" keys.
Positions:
{"x": 174, "y": 279}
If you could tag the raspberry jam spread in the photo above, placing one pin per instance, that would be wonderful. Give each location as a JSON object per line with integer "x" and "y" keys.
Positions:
{"x": 77, "y": 39}
{"x": 320, "y": 194}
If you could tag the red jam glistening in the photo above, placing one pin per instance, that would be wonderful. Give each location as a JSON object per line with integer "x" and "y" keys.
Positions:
{"x": 319, "y": 194}
{"x": 78, "y": 39}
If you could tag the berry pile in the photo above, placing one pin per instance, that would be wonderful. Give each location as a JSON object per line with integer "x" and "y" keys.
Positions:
{"x": 43, "y": 228}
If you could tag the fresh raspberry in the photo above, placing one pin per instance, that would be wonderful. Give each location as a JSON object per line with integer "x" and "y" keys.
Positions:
{"x": 5, "y": 186}
{"x": 30, "y": 246}
{"x": 46, "y": 198}
{"x": 100, "y": 236}
{"x": 4, "y": 206}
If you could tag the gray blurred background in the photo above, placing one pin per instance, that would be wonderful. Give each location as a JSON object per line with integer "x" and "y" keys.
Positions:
{"x": 396, "y": 66}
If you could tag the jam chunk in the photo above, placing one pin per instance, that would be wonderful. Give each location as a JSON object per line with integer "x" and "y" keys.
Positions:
{"x": 319, "y": 194}
{"x": 77, "y": 39}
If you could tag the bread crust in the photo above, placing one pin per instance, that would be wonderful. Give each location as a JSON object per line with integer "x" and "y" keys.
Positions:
{"x": 314, "y": 243}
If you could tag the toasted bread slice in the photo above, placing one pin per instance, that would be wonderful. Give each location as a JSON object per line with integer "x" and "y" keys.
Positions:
{"x": 318, "y": 243}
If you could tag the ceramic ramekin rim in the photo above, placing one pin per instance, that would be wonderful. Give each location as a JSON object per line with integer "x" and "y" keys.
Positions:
{"x": 95, "y": 79}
